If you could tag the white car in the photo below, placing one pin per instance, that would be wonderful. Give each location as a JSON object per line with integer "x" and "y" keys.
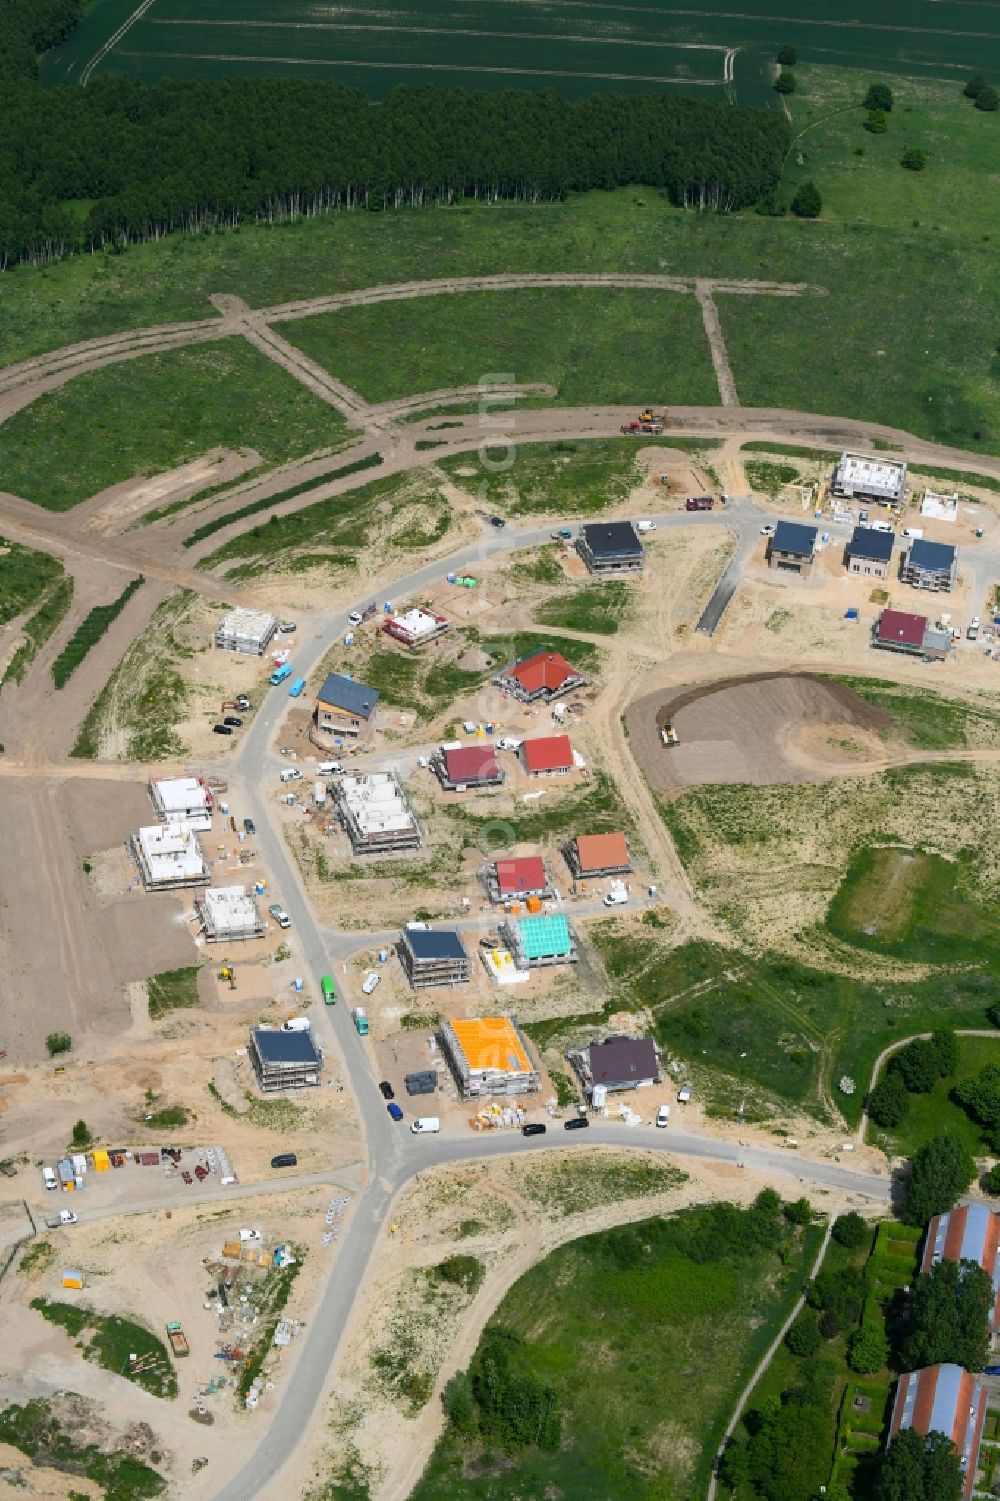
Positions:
{"x": 645, "y": 526}
{"x": 767, "y": 530}
{"x": 663, "y": 1116}
{"x": 355, "y": 617}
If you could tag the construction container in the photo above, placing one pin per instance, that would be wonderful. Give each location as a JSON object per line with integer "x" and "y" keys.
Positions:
{"x": 232, "y": 1249}
{"x": 533, "y": 903}
{"x": 72, "y": 1279}
{"x": 101, "y": 1161}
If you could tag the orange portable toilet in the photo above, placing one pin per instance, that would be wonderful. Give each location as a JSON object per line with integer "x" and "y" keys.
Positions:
{"x": 534, "y": 904}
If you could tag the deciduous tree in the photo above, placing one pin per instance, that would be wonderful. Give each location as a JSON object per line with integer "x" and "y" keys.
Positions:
{"x": 949, "y": 1317}
{"x": 939, "y": 1173}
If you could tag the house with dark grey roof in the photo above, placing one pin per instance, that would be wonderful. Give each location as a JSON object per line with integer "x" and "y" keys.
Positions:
{"x": 869, "y": 552}
{"x": 618, "y": 1063}
{"x": 792, "y": 548}
{"x": 284, "y": 1060}
{"x": 345, "y": 710}
{"x": 433, "y": 956}
{"x": 611, "y": 547}
{"x": 929, "y": 565}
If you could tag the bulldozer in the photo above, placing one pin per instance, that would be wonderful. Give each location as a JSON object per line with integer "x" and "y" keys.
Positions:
{"x": 669, "y": 735}
{"x": 228, "y": 973}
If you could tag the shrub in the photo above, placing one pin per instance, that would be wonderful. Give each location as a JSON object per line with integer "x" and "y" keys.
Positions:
{"x": 804, "y": 1337}
{"x": 988, "y": 99}
{"x": 787, "y": 56}
{"x": 877, "y": 122}
{"x": 975, "y": 86}
{"x": 850, "y": 1230}
{"x": 879, "y": 96}
{"x": 81, "y": 1135}
{"x": 889, "y": 1102}
{"x": 991, "y": 1180}
{"x": 785, "y": 82}
{"x": 799, "y": 1212}
{"x": 457, "y": 1402}
{"x": 913, "y": 159}
{"x": 58, "y": 1042}
{"x": 807, "y": 203}
{"x": 868, "y": 1350}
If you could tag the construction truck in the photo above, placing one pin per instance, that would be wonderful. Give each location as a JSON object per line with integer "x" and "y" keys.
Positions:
{"x": 651, "y": 427}
{"x": 64, "y": 1217}
{"x": 178, "y": 1340}
{"x": 669, "y": 735}
{"x": 239, "y": 702}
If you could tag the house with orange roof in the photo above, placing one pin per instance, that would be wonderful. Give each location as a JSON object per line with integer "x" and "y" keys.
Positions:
{"x": 539, "y": 678}
{"x": 489, "y": 1055}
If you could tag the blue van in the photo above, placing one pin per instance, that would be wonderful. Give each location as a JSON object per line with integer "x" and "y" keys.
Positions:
{"x": 297, "y": 688}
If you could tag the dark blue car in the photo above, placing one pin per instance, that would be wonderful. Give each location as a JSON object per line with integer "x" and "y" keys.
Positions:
{"x": 394, "y": 1110}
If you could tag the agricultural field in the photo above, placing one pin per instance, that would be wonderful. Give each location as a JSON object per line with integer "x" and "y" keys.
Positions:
{"x": 684, "y": 1306}
{"x": 589, "y": 349}
{"x": 584, "y": 49}
{"x": 151, "y": 414}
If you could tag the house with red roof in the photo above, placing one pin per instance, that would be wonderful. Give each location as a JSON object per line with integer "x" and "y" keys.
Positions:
{"x": 513, "y": 878}
{"x": 548, "y": 755}
{"x": 898, "y": 630}
{"x": 943, "y": 1399}
{"x": 592, "y": 856}
{"x": 459, "y": 767}
{"x": 540, "y": 678}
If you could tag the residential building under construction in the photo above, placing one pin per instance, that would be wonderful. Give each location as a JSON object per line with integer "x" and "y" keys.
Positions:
{"x": 375, "y": 813}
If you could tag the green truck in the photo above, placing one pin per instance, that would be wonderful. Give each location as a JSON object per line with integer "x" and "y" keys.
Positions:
{"x": 360, "y": 1020}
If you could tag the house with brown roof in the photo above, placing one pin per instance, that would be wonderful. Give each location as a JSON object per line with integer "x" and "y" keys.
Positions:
{"x": 548, "y": 755}
{"x": 541, "y": 677}
{"x": 617, "y": 1063}
{"x": 592, "y": 856}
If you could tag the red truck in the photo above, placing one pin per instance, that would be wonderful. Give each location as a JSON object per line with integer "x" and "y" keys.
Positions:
{"x": 641, "y": 429}
{"x": 699, "y": 503}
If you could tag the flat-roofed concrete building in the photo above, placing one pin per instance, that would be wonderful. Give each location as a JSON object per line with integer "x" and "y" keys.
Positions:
{"x": 869, "y": 552}
{"x": 865, "y": 476}
{"x": 592, "y": 856}
{"x": 459, "y": 767}
{"x": 249, "y": 632}
{"x": 375, "y": 813}
{"x": 943, "y": 1399}
{"x": 489, "y": 1055}
{"x": 969, "y": 1233}
{"x": 285, "y": 1060}
{"x": 929, "y": 565}
{"x": 611, "y": 547}
{"x": 433, "y": 956}
{"x": 178, "y": 799}
{"x": 792, "y": 549}
{"x": 169, "y": 857}
{"x": 229, "y": 914}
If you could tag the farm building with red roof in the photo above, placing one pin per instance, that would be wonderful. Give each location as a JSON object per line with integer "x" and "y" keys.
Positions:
{"x": 549, "y": 755}
{"x": 544, "y": 675}
{"x": 970, "y": 1233}
{"x": 943, "y": 1399}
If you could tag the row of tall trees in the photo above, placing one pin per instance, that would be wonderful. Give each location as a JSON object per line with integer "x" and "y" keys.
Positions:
{"x": 198, "y": 154}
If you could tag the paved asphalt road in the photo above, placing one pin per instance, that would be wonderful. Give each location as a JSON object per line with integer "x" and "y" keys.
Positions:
{"x": 393, "y": 1154}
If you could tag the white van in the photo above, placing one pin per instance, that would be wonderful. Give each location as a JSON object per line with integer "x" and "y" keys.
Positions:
{"x": 329, "y": 768}
{"x": 645, "y": 526}
{"x": 319, "y": 794}
{"x": 616, "y": 897}
{"x": 372, "y": 981}
{"x": 49, "y": 1178}
{"x": 296, "y": 1024}
{"x": 508, "y": 742}
{"x": 425, "y": 1123}
{"x": 290, "y": 774}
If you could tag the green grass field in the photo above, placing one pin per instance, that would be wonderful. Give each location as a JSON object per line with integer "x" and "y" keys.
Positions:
{"x": 933, "y": 1114}
{"x": 646, "y": 1342}
{"x": 602, "y": 346}
{"x": 90, "y": 630}
{"x": 598, "y": 608}
{"x": 109, "y": 1341}
{"x": 31, "y": 581}
{"x": 151, "y": 414}
{"x": 928, "y": 721}
{"x": 577, "y": 477}
{"x": 172, "y": 990}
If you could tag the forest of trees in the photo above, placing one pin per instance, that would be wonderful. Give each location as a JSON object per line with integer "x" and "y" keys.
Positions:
{"x": 149, "y": 159}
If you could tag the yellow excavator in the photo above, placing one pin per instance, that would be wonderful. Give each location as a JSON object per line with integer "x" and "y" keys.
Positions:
{"x": 228, "y": 973}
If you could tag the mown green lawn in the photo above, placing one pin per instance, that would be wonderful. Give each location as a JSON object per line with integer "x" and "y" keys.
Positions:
{"x": 154, "y": 413}
{"x": 647, "y": 1347}
{"x": 592, "y": 345}
{"x": 932, "y": 1114}
{"x": 929, "y": 299}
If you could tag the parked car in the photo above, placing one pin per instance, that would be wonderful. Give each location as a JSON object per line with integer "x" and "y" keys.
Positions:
{"x": 663, "y": 1116}
{"x": 645, "y": 526}
{"x": 287, "y": 627}
{"x": 355, "y": 617}
{"x": 221, "y": 729}
{"x": 233, "y": 721}
{"x": 767, "y": 530}
{"x": 285, "y": 1159}
{"x": 249, "y": 827}
{"x": 371, "y": 981}
{"x": 388, "y": 1093}
{"x": 394, "y": 1111}
{"x": 498, "y": 521}
{"x": 49, "y": 1178}
{"x": 578, "y": 1123}
{"x": 533, "y": 1128}
{"x": 508, "y": 742}
{"x": 279, "y": 914}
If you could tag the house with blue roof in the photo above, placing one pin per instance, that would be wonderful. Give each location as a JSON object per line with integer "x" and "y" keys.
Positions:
{"x": 793, "y": 548}
{"x": 345, "y": 710}
{"x": 930, "y": 565}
